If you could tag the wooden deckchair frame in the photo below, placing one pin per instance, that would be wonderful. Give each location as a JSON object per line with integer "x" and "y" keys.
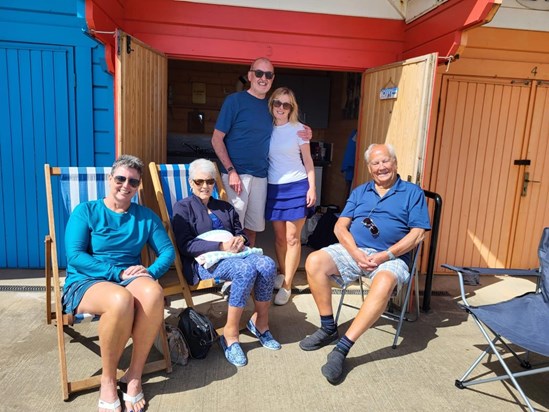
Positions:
{"x": 64, "y": 322}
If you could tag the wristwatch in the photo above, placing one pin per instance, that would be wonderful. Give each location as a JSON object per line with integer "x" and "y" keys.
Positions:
{"x": 391, "y": 254}
{"x": 230, "y": 169}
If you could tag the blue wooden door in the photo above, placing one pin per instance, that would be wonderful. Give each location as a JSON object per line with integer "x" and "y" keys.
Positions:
{"x": 37, "y": 125}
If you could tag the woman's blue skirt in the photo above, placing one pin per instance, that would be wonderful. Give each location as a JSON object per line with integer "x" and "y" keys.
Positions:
{"x": 287, "y": 202}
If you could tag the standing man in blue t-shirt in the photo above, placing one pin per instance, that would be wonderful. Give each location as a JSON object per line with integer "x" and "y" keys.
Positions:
{"x": 382, "y": 221}
{"x": 241, "y": 142}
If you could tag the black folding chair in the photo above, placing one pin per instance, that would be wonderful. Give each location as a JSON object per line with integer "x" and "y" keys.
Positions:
{"x": 522, "y": 321}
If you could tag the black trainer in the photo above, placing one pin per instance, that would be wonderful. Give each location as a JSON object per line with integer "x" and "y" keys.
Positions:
{"x": 318, "y": 339}
{"x": 333, "y": 368}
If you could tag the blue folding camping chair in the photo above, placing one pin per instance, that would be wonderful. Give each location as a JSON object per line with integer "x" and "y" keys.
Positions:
{"x": 522, "y": 321}
{"x": 75, "y": 185}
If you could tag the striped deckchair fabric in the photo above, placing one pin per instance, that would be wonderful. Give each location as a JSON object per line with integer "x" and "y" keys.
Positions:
{"x": 82, "y": 184}
{"x": 76, "y": 185}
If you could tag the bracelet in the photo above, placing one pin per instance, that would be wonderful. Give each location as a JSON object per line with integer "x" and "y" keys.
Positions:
{"x": 391, "y": 255}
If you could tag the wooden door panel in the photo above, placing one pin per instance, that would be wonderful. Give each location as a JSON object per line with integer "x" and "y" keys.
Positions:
{"x": 533, "y": 213}
{"x": 403, "y": 121}
{"x": 480, "y": 134}
{"x": 142, "y": 104}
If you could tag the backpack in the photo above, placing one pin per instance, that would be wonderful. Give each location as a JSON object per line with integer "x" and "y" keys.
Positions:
{"x": 179, "y": 351}
{"x": 323, "y": 235}
{"x": 198, "y": 332}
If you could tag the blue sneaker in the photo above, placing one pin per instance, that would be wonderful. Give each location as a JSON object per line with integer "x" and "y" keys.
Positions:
{"x": 265, "y": 338}
{"x": 233, "y": 353}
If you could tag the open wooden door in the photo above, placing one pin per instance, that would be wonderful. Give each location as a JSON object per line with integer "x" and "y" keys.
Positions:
{"x": 395, "y": 108}
{"x": 141, "y": 104}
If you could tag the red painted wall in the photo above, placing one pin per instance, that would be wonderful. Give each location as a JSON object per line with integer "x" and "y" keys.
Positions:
{"x": 440, "y": 30}
{"x": 236, "y": 34}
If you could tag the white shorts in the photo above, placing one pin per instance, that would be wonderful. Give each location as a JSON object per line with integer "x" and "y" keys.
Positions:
{"x": 350, "y": 271}
{"x": 250, "y": 204}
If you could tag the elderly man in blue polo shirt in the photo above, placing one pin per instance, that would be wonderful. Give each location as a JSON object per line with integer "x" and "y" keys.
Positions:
{"x": 383, "y": 220}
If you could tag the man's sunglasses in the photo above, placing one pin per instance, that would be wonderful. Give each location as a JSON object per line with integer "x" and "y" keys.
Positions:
{"x": 369, "y": 223}
{"x": 285, "y": 106}
{"x": 121, "y": 179}
{"x": 259, "y": 74}
{"x": 200, "y": 182}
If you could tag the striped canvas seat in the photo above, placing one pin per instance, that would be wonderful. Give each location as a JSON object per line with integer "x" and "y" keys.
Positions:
{"x": 82, "y": 184}
{"x": 74, "y": 186}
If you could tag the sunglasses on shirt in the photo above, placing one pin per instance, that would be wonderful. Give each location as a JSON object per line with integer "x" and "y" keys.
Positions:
{"x": 121, "y": 179}
{"x": 369, "y": 223}
{"x": 260, "y": 73}
{"x": 285, "y": 106}
{"x": 200, "y": 182}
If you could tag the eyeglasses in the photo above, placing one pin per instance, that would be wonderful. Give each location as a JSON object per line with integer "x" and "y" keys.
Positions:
{"x": 121, "y": 179}
{"x": 200, "y": 182}
{"x": 259, "y": 74}
{"x": 369, "y": 223}
{"x": 285, "y": 106}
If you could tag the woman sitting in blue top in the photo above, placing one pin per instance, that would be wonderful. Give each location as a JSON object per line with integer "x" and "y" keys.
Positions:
{"x": 195, "y": 217}
{"x": 103, "y": 241}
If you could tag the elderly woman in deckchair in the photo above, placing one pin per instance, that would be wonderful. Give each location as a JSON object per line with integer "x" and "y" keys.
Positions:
{"x": 208, "y": 231}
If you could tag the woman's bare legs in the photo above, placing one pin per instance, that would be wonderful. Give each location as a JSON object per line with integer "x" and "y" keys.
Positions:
{"x": 149, "y": 315}
{"x": 115, "y": 304}
{"x": 288, "y": 248}
{"x": 279, "y": 227}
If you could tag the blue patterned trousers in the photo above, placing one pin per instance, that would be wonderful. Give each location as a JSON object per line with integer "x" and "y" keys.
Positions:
{"x": 254, "y": 271}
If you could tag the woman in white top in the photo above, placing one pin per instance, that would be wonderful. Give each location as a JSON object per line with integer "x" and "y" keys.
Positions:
{"x": 291, "y": 187}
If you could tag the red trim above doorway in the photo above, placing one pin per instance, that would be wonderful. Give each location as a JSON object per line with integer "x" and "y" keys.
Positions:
{"x": 206, "y": 32}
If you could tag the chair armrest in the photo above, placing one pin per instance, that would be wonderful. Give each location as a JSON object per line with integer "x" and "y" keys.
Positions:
{"x": 471, "y": 275}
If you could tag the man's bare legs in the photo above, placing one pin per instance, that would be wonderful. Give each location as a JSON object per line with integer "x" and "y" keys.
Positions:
{"x": 320, "y": 266}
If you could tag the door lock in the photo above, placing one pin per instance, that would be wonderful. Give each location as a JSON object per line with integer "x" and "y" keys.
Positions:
{"x": 525, "y": 183}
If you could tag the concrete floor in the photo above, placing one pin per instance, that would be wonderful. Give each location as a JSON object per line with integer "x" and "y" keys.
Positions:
{"x": 417, "y": 376}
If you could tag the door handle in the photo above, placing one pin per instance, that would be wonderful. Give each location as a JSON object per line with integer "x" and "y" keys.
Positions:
{"x": 525, "y": 183}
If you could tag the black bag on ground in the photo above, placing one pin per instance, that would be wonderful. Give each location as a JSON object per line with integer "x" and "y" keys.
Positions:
{"x": 323, "y": 235}
{"x": 198, "y": 332}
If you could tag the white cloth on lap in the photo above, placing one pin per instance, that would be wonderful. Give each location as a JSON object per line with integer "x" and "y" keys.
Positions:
{"x": 209, "y": 259}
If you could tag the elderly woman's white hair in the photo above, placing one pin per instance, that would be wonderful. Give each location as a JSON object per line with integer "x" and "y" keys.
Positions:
{"x": 202, "y": 165}
{"x": 370, "y": 149}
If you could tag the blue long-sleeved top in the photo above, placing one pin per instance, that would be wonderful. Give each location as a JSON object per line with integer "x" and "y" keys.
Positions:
{"x": 190, "y": 219}
{"x": 101, "y": 243}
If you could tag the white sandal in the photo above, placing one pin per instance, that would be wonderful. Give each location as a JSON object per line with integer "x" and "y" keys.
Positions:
{"x": 110, "y": 406}
{"x": 127, "y": 398}
{"x": 132, "y": 399}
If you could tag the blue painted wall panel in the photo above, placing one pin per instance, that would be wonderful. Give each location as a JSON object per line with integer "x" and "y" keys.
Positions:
{"x": 56, "y": 106}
